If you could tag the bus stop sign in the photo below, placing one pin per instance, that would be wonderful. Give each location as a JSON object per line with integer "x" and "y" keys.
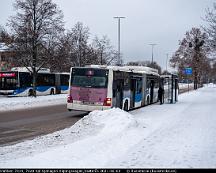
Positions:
{"x": 188, "y": 71}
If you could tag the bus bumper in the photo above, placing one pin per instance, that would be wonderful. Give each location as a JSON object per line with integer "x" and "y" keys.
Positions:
{"x": 89, "y": 108}
{"x": 6, "y": 92}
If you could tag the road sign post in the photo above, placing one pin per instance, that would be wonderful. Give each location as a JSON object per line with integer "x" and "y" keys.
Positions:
{"x": 188, "y": 71}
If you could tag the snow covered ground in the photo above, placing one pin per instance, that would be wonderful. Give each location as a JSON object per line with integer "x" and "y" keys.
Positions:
{"x": 181, "y": 135}
{"x": 15, "y": 103}
{"x": 185, "y": 85}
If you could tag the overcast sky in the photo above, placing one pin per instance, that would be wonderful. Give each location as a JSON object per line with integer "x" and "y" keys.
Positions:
{"x": 163, "y": 22}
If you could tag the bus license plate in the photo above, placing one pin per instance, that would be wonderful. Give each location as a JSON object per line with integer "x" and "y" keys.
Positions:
{"x": 88, "y": 103}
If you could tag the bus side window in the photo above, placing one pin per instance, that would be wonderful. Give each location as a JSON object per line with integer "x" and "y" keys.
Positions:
{"x": 139, "y": 86}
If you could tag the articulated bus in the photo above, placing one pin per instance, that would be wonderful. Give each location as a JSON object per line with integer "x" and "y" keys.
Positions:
{"x": 19, "y": 82}
{"x": 103, "y": 87}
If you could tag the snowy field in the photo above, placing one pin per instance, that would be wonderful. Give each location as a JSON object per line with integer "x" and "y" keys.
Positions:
{"x": 181, "y": 135}
{"x": 15, "y": 103}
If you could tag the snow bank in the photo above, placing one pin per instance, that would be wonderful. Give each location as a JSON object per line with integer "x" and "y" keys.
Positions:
{"x": 15, "y": 103}
{"x": 88, "y": 142}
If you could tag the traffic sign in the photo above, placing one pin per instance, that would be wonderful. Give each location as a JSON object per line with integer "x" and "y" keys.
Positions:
{"x": 188, "y": 71}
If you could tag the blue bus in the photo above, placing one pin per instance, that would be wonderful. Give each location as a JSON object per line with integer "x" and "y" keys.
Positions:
{"x": 19, "y": 82}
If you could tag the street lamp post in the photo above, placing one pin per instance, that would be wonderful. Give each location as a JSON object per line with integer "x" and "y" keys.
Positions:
{"x": 167, "y": 62}
{"x": 119, "y": 53}
{"x": 152, "y": 51}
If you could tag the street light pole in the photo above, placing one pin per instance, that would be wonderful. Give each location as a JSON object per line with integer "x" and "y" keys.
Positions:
{"x": 119, "y": 29}
{"x": 152, "y": 51}
{"x": 167, "y": 62}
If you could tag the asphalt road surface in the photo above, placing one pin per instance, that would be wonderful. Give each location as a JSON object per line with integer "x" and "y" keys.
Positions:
{"x": 19, "y": 125}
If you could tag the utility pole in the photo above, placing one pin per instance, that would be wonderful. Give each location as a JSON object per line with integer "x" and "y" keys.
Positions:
{"x": 153, "y": 44}
{"x": 167, "y": 62}
{"x": 119, "y": 53}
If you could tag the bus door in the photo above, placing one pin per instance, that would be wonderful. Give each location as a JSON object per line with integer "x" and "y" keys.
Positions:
{"x": 152, "y": 83}
{"x": 133, "y": 92}
{"x": 119, "y": 93}
{"x": 136, "y": 92}
{"x": 57, "y": 83}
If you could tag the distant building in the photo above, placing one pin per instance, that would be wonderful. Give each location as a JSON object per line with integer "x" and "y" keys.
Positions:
{"x": 6, "y": 57}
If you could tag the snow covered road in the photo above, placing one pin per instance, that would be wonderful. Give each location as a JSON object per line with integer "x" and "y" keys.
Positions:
{"x": 181, "y": 135}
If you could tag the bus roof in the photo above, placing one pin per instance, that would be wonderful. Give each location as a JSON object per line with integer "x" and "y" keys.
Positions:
{"x": 135, "y": 69}
{"x": 24, "y": 69}
{"x": 64, "y": 73}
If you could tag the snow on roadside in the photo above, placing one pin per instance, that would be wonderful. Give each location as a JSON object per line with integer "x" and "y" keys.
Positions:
{"x": 16, "y": 103}
{"x": 96, "y": 133}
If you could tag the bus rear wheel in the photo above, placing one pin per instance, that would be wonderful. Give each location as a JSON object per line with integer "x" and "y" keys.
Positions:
{"x": 52, "y": 92}
{"x": 30, "y": 93}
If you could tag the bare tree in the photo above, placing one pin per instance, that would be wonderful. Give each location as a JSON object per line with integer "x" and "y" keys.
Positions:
{"x": 5, "y": 37}
{"x": 213, "y": 73}
{"x": 33, "y": 25}
{"x": 78, "y": 40}
{"x": 104, "y": 50}
{"x": 210, "y": 29}
{"x": 192, "y": 52}
{"x": 62, "y": 55}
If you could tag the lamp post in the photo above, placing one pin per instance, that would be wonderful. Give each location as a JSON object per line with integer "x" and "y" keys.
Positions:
{"x": 153, "y": 44}
{"x": 119, "y": 53}
{"x": 167, "y": 62}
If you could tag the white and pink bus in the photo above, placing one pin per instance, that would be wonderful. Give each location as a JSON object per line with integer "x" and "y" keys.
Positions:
{"x": 102, "y": 87}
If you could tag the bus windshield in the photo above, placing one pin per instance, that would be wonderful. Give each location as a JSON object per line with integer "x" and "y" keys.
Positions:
{"x": 89, "y": 78}
{"x": 8, "y": 81}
